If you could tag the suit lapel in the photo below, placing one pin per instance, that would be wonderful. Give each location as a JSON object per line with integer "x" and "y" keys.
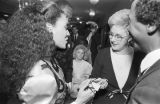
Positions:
{"x": 111, "y": 73}
{"x": 133, "y": 74}
{"x": 153, "y": 68}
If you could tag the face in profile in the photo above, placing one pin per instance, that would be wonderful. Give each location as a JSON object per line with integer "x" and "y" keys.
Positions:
{"x": 79, "y": 54}
{"x": 136, "y": 29}
{"x": 118, "y": 38}
{"x": 60, "y": 32}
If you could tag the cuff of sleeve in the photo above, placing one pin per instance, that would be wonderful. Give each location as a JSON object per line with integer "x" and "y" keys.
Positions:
{"x": 73, "y": 103}
{"x": 76, "y": 103}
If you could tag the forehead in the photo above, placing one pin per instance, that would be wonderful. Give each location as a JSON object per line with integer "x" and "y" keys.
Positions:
{"x": 62, "y": 20}
{"x": 118, "y": 30}
{"x": 80, "y": 50}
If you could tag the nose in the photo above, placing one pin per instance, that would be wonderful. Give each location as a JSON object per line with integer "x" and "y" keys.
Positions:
{"x": 113, "y": 39}
{"x": 67, "y": 33}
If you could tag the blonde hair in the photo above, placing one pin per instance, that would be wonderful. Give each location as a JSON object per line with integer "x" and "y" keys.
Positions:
{"x": 84, "y": 48}
{"x": 120, "y": 17}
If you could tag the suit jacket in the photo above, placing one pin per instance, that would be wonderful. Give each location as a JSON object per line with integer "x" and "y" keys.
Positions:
{"x": 103, "y": 68}
{"x": 95, "y": 45}
{"x": 147, "y": 88}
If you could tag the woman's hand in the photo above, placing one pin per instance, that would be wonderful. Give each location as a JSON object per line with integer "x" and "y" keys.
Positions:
{"x": 85, "y": 94}
{"x": 102, "y": 82}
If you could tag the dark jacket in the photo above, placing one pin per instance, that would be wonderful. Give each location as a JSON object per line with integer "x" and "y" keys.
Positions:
{"x": 103, "y": 68}
{"x": 147, "y": 87}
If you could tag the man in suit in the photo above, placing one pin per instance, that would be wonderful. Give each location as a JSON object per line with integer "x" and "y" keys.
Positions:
{"x": 145, "y": 29}
{"x": 94, "y": 39}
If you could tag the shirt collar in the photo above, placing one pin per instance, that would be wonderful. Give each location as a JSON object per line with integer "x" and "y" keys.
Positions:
{"x": 150, "y": 59}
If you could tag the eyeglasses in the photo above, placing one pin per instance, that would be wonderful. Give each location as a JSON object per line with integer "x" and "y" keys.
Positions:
{"x": 116, "y": 36}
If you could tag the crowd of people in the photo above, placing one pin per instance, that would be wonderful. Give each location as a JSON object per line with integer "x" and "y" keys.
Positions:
{"x": 42, "y": 62}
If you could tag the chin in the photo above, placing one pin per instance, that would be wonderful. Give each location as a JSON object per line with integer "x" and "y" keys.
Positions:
{"x": 115, "y": 49}
{"x": 62, "y": 46}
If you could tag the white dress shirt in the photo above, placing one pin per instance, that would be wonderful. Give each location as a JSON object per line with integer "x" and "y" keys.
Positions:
{"x": 150, "y": 59}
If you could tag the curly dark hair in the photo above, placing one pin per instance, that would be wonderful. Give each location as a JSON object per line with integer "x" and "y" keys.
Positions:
{"x": 26, "y": 42}
{"x": 148, "y": 12}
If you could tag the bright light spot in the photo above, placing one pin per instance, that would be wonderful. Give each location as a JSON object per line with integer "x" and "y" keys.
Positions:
{"x": 78, "y": 18}
{"x": 26, "y": 3}
{"x": 94, "y": 1}
{"x": 92, "y": 13}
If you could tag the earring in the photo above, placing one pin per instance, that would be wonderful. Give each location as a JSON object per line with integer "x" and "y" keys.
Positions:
{"x": 130, "y": 42}
{"x": 49, "y": 27}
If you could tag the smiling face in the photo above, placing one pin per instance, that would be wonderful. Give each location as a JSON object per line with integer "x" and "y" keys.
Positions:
{"x": 79, "y": 54}
{"x": 118, "y": 38}
{"x": 60, "y": 32}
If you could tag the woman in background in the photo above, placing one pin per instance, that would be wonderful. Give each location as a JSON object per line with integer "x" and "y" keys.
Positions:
{"x": 81, "y": 69}
{"x": 117, "y": 63}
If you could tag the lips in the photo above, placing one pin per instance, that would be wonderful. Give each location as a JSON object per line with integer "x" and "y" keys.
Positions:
{"x": 113, "y": 44}
{"x": 66, "y": 38}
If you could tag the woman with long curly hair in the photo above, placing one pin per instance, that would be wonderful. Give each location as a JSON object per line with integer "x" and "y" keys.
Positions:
{"x": 25, "y": 59}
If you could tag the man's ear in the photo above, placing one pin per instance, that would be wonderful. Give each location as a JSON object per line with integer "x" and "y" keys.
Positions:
{"x": 49, "y": 27}
{"x": 151, "y": 29}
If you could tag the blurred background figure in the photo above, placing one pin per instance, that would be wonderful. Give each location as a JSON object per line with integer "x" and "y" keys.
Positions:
{"x": 91, "y": 34}
{"x": 74, "y": 34}
{"x": 81, "y": 68}
{"x": 93, "y": 28}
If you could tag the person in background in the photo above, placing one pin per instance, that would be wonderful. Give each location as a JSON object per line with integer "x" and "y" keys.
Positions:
{"x": 3, "y": 24}
{"x": 88, "y": 53}
{"x": 75, "y": 34}
{"x": 118, "y": 63}
{"x": 145, "y": 29}
{"x": 81, "y": 69}
{"x": 92, "y": 31}
{"x": 25, "y": 57}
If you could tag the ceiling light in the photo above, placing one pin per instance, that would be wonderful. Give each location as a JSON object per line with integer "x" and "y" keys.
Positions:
{"x": 78, "y": 18}
{"x": 94, "y": 2}
{"x": 26, "y": 3}
{"x": 92, "y": 12}
{"x": 6, "y": 15}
